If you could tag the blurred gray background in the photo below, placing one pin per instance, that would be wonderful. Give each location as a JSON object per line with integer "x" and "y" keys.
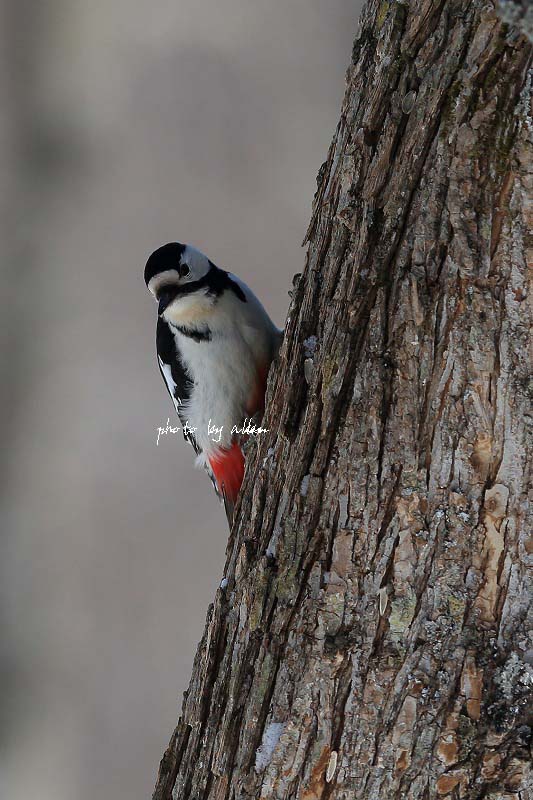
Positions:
{"x": 124, "y": 126}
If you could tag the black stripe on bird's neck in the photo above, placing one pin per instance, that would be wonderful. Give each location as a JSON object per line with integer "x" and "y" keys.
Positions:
{"x": 197, "y": 334}
{"x": 214, "y": 282}
{"x": 218, "y": 280}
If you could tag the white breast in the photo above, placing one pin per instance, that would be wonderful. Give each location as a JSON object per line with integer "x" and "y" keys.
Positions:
{"x": 223, "y": 372}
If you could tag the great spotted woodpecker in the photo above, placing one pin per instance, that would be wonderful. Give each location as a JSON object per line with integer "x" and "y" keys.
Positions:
{"x": 215, "y": 343}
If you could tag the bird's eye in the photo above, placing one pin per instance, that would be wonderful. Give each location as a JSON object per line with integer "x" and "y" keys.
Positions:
{"x": 184, "y": 270}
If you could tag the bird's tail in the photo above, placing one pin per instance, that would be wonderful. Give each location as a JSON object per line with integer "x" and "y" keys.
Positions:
{"x": 227, "y": 466}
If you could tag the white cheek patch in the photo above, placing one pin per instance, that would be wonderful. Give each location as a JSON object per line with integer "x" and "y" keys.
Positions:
{"x": 168, "y": 276}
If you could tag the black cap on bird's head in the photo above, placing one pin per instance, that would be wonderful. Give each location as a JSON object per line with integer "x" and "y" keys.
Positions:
{"x": 164, "y": 259}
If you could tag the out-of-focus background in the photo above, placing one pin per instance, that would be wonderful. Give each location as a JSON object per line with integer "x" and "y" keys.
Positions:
{"x": 124, "y": 126}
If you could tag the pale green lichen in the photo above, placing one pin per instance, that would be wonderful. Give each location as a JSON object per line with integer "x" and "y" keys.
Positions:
{"x": 456, "y": 607}
{"x": 382, "y": 14}
{"x": 333, "y": 612}
{"x": 265, "y": 678}
{"x": 450, "y": 107}
{"x": 259, "y": 599}
{"x": 287, "y": 584}
{"x": 401, "y": 615}
{"x": 515, "y": 679}
{"x": 467, "y": 732}
{"x": 329, "y": 369}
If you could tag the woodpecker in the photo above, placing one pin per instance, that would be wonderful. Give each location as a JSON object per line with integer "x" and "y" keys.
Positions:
{"x": 215, "y": 343}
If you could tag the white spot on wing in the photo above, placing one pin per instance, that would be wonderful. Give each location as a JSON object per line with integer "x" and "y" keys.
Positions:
{"x": 169, "y": 380}
{"x": 200, "y": 460}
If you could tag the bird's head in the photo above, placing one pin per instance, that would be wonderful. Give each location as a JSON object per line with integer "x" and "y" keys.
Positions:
{"x": 177, "y": 276}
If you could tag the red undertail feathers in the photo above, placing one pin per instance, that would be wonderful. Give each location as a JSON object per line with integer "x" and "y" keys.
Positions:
{"x": 228, "y": 469}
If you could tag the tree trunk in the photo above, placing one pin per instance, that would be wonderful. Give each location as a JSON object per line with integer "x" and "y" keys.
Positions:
{"x": 370, "y": 639}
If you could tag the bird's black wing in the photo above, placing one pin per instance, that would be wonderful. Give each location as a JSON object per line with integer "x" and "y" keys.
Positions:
{"x": 178, "y": 383}
{"x": 176, "y": 379}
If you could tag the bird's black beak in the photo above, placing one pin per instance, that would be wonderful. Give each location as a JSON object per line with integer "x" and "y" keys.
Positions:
{"x": 165, "y": 296}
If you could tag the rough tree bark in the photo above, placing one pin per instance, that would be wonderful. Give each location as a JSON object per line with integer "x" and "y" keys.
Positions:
{"x": 370, "y": 639}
